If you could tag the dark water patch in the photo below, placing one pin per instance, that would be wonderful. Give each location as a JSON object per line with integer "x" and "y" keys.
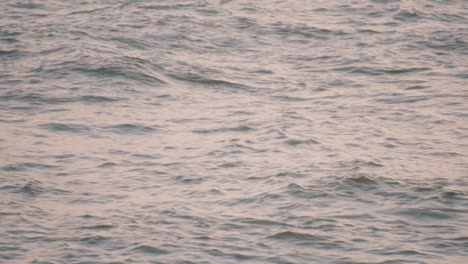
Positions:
{"x": 97, "y": 99}
{"x": 286, "y": 30}
{"x": 417, "y": 87}
{"x": 28, "y": 6}
{"x": 146, "y": 156}
{"x": 24, "y": 108}
{"x": 53, "y": 50}
{"x": 442, "y": 42}
{"x": 408, "y": 16}
{"x": 8, "y": 52}
{"x": 8, "y": 187}
{"x": 150, "y": 250}
{"x": 424, "y": 214}
{"x": 359, "y": 182}
{"x": 64, "y": 156}
{"x": 89, "y": 216}
{"x": 31, "y": 97}
{"x": 245, "y": 23}
{"x": 241, "y": 128}
{"x": 261, "y": 222}
{"x": 118, "y": 152}
{"x": 187, "y": 180}
{"x": 290, "y": 99}
{"x": 27, "y": 166}
{"x": 324, "y": 224}
{"x": 452, "y": 245}
{"x": 379, "y": 71}
{"x": 164, "y": 7}
{"x": 290, "y": 174}
{"x": 231, "y": 164}
{"x": 296, "y": 142}
{"x": 4, "y": 33}
{"x": 89, "y": 11}
{"x": 307, "y": 193}
{"x": 121, "y": 72}
{"x": 448, "y": 195}
{"x": 447, "y": 154}
{"x": 355, "y": 216}
{"x": 208, "y": 82}
{"x": 219, "y": 253}
{"x": 98, "y": 227}
{"x": 357, "y": 163}
{"x": 69, "y": 128}
{"x": 131, "y": 42}
{"x": 131, "y": 129}
{"x": 403, "y": 252}
{"x": 404, "y": 99}
{"x": 41, "y": 99}
{"x": 108, "y": 164}
{"x": 35, "y": 187}
{"x": 208, "y": 11}
{"x": 12, "y": 121}
{"x": 364, "y": 163}
{"x": 256, "y": 199}
{"x": 308, "y": 240}
{"x": 369, "y": 31}
{"x": 462, "y": 75}
{"x": 93, "y": 240}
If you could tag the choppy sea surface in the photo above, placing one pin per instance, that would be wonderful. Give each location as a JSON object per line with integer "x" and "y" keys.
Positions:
{"x": 235, "y": 131}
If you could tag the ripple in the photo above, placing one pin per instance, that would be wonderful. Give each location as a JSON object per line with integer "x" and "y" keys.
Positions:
{"x": 425, "y": 214}
{"x": 360, "y": 181}
{"x": 297, "y": 236}
{"x": 197, "y": 79}
{"x": 241, "y": 128}
{"x": 98, "y": 227}
{"x": 295, "y": 142}
{"x": 150, "y": 250}
{"x": 70, "y": 128}
{"x": 120, "y": 72}
{"x": 35, "y": 188}
{"x": 7, "y": 52}
{"x": 92, "y": 240}
{"x": 233, "y": 131}
{"x": 261, "y": 222}
{"x": 32, "y": 188}
{"x": 299, "y": 191}
{"x": 97, "y": 99}
{"x": 130, "y": 129}
{"x": 41, "y": 99}
{"x": 304, "y": 31}
{"x": 26, "y": 166}
{"x": 377, "y": 71}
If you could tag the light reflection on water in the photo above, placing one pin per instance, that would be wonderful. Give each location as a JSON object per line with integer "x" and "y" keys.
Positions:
{"x": 233, "y": 131}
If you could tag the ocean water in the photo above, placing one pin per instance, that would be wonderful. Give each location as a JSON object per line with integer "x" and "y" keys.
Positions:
{"x": 218, "y": 131}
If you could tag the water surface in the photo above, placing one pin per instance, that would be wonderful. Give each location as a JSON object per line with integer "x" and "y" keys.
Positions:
{"x": 234, "y": 131}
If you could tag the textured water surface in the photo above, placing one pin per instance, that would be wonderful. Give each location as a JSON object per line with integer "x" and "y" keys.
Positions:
{"x": 235, "y": 131}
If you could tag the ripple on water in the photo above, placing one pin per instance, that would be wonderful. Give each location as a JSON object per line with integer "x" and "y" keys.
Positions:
{"x": 47, "y": 100}
{"x": 27, "y": 166}
{"x": 150, "y": 250}
{"x": 70, "y": 128}
{"x": 240, "y": 128}
{"x": 35, "y": 188}
{"x": 295, "y": 142}
{"x": 131, "y": 129}
{"x": 233, "y": 131}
